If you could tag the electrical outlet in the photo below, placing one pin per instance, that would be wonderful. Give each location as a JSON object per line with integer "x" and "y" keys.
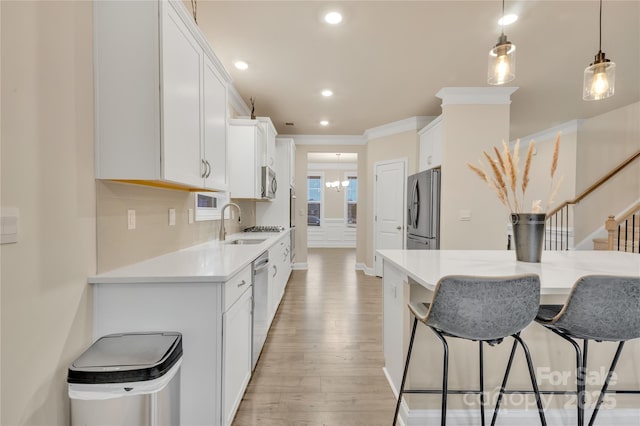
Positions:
{"x": 190, "y": 216}
{"x": 172, "y": 217}
{"x": 131, "y": 219}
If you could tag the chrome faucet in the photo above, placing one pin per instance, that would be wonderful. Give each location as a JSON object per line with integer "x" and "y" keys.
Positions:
{"x": 223, "y": 232}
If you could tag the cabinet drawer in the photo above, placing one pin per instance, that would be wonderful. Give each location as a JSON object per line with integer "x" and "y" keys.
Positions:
{"x": 235, "y": 286}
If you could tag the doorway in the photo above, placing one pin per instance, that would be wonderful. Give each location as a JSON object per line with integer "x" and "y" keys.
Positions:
{"x": 332, "y": 197}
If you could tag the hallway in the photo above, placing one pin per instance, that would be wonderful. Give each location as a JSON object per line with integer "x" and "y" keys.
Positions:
{"x": 322, "y": 362}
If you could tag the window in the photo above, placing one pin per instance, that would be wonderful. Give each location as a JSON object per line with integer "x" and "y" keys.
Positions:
{"x": 352, "y": 199}
{"x": 314, "y": 199}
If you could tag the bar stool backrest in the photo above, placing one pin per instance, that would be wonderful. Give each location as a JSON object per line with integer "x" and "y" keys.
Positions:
{"x": 602, "y": 307}
{"x": 484, "y": 308}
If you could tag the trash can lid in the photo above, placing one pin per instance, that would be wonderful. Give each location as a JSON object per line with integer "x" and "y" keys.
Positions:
{"x": 127, "y": 357}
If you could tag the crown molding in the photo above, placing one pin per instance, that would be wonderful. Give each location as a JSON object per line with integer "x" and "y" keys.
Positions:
{"x": 236, "y": 101}
{"x": 476, "y": 95}
{"x": 411, "y": 123}
{"x": 549, "y": 134}
{"x": 326, "y": 139}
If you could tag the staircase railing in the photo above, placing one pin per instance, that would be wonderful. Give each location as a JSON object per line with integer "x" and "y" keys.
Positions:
{"x": 623, "y": 232}
{"x": 557, "y": 226}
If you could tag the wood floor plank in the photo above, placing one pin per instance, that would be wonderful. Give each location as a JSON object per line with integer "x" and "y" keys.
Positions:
{"x": 322, "y": 361}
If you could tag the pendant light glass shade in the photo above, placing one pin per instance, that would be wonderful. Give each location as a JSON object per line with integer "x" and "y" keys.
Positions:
{"x": 599, "y": 79}
{"x": 502, "y": 62}
{"x": 600, "y": 76}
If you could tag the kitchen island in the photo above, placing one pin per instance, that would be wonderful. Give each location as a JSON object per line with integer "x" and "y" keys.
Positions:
{"x": 205, "y": 293}
{"x": 413, "y": 275}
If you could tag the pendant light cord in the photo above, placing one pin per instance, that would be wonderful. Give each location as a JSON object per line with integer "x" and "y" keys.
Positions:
{"x": 502, "y": 17}
{"x": 600, "y": 39}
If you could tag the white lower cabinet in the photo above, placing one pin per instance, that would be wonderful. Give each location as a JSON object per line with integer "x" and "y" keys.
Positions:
{"x": 279, "y": 272}
{"x": 216, "y": 325}
{"x": 236, "y": 356}
{"x": 393, "y": 306}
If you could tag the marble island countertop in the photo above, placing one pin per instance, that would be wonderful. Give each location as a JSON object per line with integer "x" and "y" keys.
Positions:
{"x": 213, "y": 261}
{"x": 558, "y": 270}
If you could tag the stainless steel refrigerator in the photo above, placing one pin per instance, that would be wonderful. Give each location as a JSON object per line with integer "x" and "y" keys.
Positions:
{"x": 423, "y": 210}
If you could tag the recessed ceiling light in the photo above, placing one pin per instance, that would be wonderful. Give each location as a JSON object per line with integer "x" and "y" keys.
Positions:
{"x": 326, "y": 93}
{"x": 324, "y": 123}
{"x": 508, "y": 19}
{"x": 241, "y": 65}
{"x": 333, "y": 18}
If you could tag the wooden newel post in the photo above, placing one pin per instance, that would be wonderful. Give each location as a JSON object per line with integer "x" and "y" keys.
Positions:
{"x": 611, "y": 226}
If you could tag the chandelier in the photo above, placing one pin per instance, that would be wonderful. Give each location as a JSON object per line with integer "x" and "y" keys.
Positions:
{"x": 337, "y": 184}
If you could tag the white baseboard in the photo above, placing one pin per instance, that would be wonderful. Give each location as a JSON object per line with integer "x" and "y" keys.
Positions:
{"x": 364, "y": 268}
{"x": 300, "y": 266}
{"x": 559, "y": 417}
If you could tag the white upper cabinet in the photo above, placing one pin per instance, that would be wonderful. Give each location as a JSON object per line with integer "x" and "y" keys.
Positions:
{"x": 430, "y": 145}
{"x": 269, "y": 154}
{"x": 252, "y": 145}
{"x": 214, "y": 146}
{"x": 160, "y": 97}
{"x": 247, "y": 143}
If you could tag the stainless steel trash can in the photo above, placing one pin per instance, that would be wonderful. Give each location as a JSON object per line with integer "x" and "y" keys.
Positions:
{"x": 127, "y": 379}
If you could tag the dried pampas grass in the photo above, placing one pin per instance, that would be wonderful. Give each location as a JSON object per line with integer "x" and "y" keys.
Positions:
{"x": 506, "y": 170}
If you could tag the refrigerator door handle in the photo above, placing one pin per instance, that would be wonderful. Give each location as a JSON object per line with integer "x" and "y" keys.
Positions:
{"x": 416, "y": 204}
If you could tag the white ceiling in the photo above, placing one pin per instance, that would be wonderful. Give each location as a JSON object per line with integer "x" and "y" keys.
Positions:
{"x": 387, "y": 59}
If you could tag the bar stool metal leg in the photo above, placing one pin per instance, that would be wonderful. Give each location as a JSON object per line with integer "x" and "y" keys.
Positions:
{"x": 481, "y": 383}
{"x": 605, "y": 386}
{"x": 406, "y": 368}
{"x": 504, "y": 383}
{"x": 534, "y": 384}
{"x": 532, "y": 376}
{"x": 580, "y": 385}
{"x": 445, "y": 377}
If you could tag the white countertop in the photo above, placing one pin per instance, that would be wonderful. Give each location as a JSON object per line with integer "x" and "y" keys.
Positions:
{"x": 558, "y": 270}
{"x": 214, "y": 261}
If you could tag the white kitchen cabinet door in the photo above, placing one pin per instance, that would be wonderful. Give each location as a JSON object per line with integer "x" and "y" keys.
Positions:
{"x": 236, "y": 357}
{"x": 246, "y": 148}
{"x": 292, "y": 163}
{"x": 431, "y": 145}
{"x": 214, "y": 144}
{"x": 393, "y": 307}
{"x": 181, "y": 80}
{"x": 269, "y": 153}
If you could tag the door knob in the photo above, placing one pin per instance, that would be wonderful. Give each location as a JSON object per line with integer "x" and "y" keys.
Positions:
{"x": 398, "y": 227}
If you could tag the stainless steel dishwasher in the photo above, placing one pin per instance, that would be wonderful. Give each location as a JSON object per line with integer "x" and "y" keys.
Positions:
{"x": 260, "y": 306}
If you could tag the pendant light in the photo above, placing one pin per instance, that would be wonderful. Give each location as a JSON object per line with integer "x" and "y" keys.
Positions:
{"x": 502, "y": 60}
{"x": 600, "y": 76}
{"x": 337, "y": 185}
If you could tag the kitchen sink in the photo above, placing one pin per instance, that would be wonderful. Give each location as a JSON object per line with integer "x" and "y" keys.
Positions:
{"x": 247, "y": 241}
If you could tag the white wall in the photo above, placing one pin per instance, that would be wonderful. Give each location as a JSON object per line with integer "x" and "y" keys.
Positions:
{"x": 46, "y": 172}
{"x": 604, "y": 142}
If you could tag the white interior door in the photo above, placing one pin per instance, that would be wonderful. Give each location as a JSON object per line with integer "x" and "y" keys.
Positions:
{"x": 388, "y": 207}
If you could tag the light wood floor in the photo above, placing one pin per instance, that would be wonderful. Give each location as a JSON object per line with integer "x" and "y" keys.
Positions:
{"x": 322, "y": 361}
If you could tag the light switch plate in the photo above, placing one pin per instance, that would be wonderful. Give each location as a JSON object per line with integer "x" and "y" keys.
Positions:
{"x": 190, "y": 216}
{"x": 172, "y": 217}
{"x": 131, "y": 219}
{"x": 9, "y": 225}
{"x": 464, "y": 215}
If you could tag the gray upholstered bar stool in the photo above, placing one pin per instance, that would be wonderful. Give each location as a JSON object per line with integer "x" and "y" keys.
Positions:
{"x": 483, "y": 309}
{"x": 600, "y": 308}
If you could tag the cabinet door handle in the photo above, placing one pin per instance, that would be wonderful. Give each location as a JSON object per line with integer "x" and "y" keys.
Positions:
{"x": 242, "y": 283}
{"x": 203, "y": 173}
{"x": 275, "y": 270}
{"x": 208, "y": 169}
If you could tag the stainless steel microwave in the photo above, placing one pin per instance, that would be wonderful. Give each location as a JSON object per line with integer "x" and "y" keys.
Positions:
{"x": 269, "y": 183}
